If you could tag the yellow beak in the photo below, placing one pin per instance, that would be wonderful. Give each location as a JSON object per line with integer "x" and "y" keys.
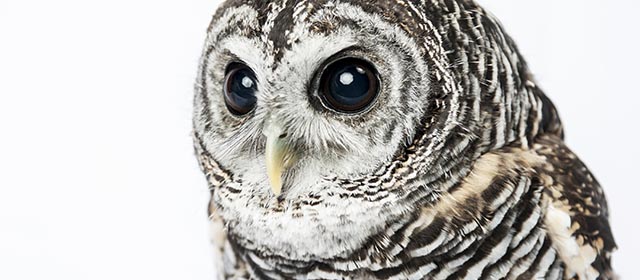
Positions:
{"x": 278, "y": 158}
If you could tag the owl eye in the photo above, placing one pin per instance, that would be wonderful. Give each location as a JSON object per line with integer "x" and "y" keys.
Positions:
{"x": 349, "y": 85}
{"x": 240, "y": 86}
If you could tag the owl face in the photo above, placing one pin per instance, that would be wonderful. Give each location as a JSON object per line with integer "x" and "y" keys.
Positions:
{"x": 294, "y": 107}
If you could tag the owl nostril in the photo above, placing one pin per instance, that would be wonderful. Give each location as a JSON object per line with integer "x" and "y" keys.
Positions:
{"x": 282, "y": 136}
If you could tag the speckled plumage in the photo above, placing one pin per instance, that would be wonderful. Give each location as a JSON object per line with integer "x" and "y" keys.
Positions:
{"x": 457, "y": 171}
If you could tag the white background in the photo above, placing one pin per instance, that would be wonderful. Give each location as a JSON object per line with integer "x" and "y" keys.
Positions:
{"x": 97, "y": 174}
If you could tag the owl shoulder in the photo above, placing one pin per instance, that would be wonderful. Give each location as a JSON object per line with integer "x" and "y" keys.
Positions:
{"x": 576, "y": 216}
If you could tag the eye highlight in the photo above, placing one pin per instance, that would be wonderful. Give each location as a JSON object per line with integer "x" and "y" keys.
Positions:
{"x": 240, "y": 86}
{"x": 349, "y": 85}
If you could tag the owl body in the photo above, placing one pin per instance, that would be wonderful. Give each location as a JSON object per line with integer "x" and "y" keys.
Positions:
{"x": 387, "y": 140}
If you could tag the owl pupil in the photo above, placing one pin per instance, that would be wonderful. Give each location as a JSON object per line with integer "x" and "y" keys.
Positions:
{"x": 240, "y": 88}
{"x": 242, "y": 84}
{"x": 349, "y": 85}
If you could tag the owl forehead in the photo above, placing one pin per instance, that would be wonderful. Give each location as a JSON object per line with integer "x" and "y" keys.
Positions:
{"x": 280, "y": 24}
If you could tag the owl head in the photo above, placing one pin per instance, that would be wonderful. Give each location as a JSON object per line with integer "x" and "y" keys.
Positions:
{"x": 321, "y": 124}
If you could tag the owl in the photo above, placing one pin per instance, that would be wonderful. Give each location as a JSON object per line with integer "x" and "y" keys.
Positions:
{"x": 388, "y": 139}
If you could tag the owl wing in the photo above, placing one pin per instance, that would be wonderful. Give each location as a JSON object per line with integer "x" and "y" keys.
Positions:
{"x": 502, "y": 220}
{"x": 577, "y": 213}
